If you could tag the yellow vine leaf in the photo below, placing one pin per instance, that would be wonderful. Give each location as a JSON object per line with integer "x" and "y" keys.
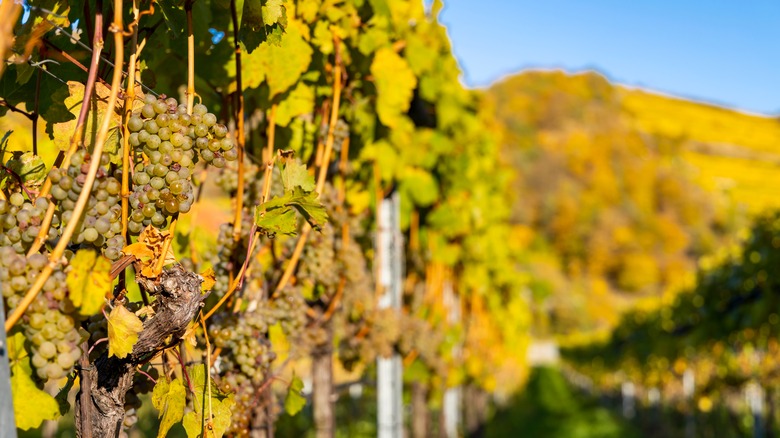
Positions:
{"x": 31, "y": 405}
{"x": 209, "y": 279}
{"x": 89, "y": 281}
{"x": 149, "y": 249}
{"x": 395, "y": 83}
{"x": 123, "y": 329}
{"x": 169, "y": 398}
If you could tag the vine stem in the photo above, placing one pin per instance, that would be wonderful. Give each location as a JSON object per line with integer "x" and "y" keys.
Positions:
{"x": 323, "y": 170}
{"x": 190, "y": 57}
{"x": 94, "y": 164}
{"x": 10, "y": 11}
{"x": 240, "y": 140}
{"x": 35, "y": 115}
{"x": 234, "y": 285}
{"x": 126, "y": 155}
{"x": 208, "y": 366}
{"x": 167, "y": 243}
{"x": 63, "y": 160}
{"x": 271, "y": 134}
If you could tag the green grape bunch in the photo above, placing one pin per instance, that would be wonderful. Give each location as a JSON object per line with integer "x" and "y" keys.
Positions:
{"x": 172, "y": 142}
{"x": 101, "y": 225}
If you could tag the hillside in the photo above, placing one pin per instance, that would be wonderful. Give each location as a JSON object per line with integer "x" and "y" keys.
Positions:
{"x": 621, "y": 191}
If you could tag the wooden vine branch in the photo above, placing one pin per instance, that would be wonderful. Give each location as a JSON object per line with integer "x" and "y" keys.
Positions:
{"x": 81, "y": 203}
{"x": 239, "y": 116}
{"x": 178, "y": 301}
{"x": 75, "y": 140}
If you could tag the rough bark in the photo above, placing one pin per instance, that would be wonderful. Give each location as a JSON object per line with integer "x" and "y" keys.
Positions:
{"x": 419, "y": 410}
{"x": 263, "y": 416}
{"x": 100, "y": 403}
{"x": 475, "y": 411}
{"x": 322, "y": 389}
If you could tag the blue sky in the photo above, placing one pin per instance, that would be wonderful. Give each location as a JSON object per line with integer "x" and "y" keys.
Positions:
{"x": 721, "y": 51}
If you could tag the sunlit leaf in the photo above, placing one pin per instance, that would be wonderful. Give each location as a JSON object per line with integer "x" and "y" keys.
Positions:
{"x": 123, "y": 330}
{"x": 395, "y": 83}
{"x": 89, "y": 281}
{"x": 169, "y": 398}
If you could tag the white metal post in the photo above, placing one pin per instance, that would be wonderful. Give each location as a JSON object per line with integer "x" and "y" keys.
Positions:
{"x": 452, "y": 396}
{"x": 390, "y": 370}
{"x": 7, "y": 422}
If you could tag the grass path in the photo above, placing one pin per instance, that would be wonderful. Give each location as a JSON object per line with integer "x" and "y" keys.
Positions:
{"x": 551, "y": 408}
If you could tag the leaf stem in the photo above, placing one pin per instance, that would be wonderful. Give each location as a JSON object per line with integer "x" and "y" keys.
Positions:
{"x": 94, "y": 164}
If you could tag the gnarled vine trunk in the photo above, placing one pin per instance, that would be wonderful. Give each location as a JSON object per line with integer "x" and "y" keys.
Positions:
{"x": 322, "y": 388}
{"x": 263, "y": 415}
{"x": 101, "y": 399}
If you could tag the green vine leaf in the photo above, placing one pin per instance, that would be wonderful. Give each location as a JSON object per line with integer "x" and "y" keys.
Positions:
{"x": 169, "y": 398}
{"x": 295, "y": 401}
{"x": 277, "y": 215}
{"x": 294, "y": 174}
{"x": 218, "y": 406}
{"x": 262, "y": 21}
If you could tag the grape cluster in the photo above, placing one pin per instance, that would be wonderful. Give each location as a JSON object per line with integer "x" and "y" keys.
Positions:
{"x": 54, "y": 338}
{"x": 101, "y": 223}
{"x": 52, "y": 333}
{"x": 20, "y": 222}
{"x": 244, "y": 362}
{"x": 169, "y": 137}
{"x": 319, "y": 268}
{"x": 340, "y": 133}
{"x": 289, "y": 310}
{"x": 244, "y": 346}
{"x": 227, "y": 180}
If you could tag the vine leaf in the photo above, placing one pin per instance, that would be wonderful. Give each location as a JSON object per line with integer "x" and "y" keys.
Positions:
{"x": 294, "y": 174}
{"x": 169, "y": 398}
{"x": 148, "y": 249}
{"x": 62, "y": 132}
{"x": 295, "y": 401}
{"x": 89, "y": 281}
{"x": 262, "y": 21}
{"x": 278, "y": 214}
{"x": 123, "y": 329}
{"x": 300, "y": 100}
{"x": 209, "y": 279}
{"x": 395, "y": 83}
{"x": 219, "y": 405}
{"x": 279, "y": 66}
{"x": 31, "y": 405}
{"x": 30, "y": 168}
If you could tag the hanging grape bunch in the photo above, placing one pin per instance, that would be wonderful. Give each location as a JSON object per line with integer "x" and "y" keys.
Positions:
{"x": 20, "y": 222}
{"x": 101, "y": 226}
{"x": 169, "y": 138}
